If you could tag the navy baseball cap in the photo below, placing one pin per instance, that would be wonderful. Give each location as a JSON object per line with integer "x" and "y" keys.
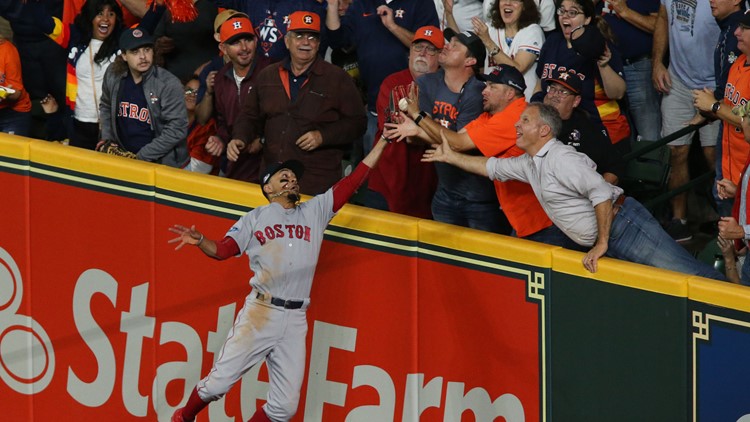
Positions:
{"x": 297, "y": 167}
{"x": 471, "y": 41}
{"x": 569, "y": 80}
{"x": 506, "y": 75}
{"x": 745, "y": 19}
{"x": 132, "y": 38}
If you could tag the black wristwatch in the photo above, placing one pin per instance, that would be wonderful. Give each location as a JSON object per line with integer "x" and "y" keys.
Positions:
{"x": 419, "y": 118}
{"x": 715, "y": 107}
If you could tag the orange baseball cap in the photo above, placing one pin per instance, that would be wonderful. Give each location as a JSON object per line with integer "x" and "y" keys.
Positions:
{"x": 302, "y": 21}
{"x": 430, "y": 33}
{"x": 234, "y": 28}
{"x": 225, "y": 15}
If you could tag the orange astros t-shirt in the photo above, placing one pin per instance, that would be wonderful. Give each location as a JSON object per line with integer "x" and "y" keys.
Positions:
{"x": 734, "y": 148}
{"x": 495, "y": 136}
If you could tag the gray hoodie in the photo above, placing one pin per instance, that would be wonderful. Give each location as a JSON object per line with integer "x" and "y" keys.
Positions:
{"x": 165, "y": 98}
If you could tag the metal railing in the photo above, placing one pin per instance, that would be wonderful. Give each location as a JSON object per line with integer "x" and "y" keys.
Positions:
{"x": 654, "y": 145}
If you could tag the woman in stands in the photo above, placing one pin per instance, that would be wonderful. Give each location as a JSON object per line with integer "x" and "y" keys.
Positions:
{"x": 92, "y": 44}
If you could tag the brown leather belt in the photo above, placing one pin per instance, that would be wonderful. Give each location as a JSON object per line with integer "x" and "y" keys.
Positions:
{"x": 617, "y": 205}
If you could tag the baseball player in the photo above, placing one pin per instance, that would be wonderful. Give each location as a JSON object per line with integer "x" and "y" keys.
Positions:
{"x": 282, "y": 240}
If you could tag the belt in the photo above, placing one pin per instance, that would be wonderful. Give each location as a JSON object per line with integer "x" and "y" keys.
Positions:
{"x": 277, "y": 301}
{"x": 617, "y": 205}
{"x": 636, "y": 59}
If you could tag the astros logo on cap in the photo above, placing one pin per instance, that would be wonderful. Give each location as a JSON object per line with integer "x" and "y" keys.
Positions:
{"x": 137, "y": 33}
{"x": 564, "y": 76}
{"x": 308, "y": 19}
{"x": 428, "y": 32}
{"x": 237, "y": 25}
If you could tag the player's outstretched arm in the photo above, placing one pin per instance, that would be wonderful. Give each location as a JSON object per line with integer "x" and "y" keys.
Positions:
{"x": 190, "y": 236}
{"x": 372, "y": 158}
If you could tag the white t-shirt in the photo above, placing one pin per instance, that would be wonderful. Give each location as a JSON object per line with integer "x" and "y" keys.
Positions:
{"x": 546, "y": 10}
{"x": 463, "y": 11}
{"x": 528, "y": 39}
{"x": 87, "y": 101}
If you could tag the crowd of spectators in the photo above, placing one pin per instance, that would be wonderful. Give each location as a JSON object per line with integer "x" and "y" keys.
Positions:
{"x": 321, "y": 80}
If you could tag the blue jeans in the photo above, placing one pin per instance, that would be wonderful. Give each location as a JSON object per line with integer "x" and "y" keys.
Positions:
{"x": 637, "y": 237}
{"x": 554, "y": 236}
{"x": 723, "y": 206}
{"x": 15, "y": 122}
{"x": 645, "y": 101}
{"x": 484, "y": 216}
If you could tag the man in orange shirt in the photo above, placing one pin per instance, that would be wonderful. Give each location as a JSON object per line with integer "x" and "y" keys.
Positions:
{"x": 734, "y": 149}
{"x": 493, "y": 133}
{"x": 15, "y": 105}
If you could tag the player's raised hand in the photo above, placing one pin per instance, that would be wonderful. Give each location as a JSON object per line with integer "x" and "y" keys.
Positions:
{"x": 186, "y": 236}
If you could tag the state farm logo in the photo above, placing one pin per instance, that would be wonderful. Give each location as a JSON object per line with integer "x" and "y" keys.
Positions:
{"x": 27, "y": 359}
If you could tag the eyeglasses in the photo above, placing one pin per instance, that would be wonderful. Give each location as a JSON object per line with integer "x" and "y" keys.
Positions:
{"x": 571, "y": 13}
{"x": 430, "y": 50}
{"x": 559, "y": 91}
{"x": 308, "y": 36}
{"x": 191, "y": 91}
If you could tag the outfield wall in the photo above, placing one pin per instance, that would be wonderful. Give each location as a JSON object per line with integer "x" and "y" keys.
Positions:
{"x": 410, "y": 319}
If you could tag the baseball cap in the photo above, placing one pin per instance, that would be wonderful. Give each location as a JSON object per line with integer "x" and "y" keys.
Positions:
{"x": 302, "y": 21}
{"x": 745, "y": 19}
{"x": 235, "y": 28}
{"x": 471, "y": 41}
{"x": 132, "y": 38}
{"x": 431, "y": 34}
{"x": 591, "y": 44}
{"x": 226, "y": 15}
{"x": 507, "y": 75}
{"x": 569, "y": 80}
{"x": 296, "y": 166}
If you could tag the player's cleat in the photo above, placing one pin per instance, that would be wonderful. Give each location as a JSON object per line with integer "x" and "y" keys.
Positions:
{"x": 177, "y": 416}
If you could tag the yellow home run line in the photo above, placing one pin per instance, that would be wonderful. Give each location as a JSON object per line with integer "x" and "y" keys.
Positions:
{"x": 86, "y": 181}
{"x": 362, "y": 239}
{"x": 201, "y": 205}
{"x": 424, "y": 251}
{"x": 15, "y": 166}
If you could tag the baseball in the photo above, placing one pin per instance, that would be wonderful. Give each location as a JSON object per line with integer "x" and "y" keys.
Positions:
{"x": 403, "y": 104}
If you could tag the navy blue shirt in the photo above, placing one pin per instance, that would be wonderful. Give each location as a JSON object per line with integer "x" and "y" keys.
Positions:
{"x": 295, "y": 82}
{"x": 556, "y": 57}
{"x": 632, "y": 41}
{"x": 133, "y": 117}
{"x": 454, "y": 111}
{"x": 726, "y": 51}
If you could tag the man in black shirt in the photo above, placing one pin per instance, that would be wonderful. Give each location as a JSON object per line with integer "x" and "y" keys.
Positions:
{"x": 578, "y": 131}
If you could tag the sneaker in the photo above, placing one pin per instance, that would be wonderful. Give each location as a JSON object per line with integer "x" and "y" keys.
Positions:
{"x": 678, "y": 230}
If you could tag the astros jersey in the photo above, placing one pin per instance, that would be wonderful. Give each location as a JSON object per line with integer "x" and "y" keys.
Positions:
{"x": 734, "y": 148}
{"x": 283, "y": 244}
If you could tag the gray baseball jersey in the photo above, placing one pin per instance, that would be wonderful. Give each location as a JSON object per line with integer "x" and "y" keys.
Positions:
{"x": 283, "y": 245}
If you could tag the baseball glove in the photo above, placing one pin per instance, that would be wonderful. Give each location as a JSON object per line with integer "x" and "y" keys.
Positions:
{"x": 113, "y": 148}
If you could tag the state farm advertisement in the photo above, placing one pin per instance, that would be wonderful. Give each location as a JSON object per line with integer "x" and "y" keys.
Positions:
{"x": 101, "y": 319}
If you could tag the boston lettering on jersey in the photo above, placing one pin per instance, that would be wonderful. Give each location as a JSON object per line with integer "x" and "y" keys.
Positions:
{"x": 134, "y": 111}
{"x": 292, "y": 231}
